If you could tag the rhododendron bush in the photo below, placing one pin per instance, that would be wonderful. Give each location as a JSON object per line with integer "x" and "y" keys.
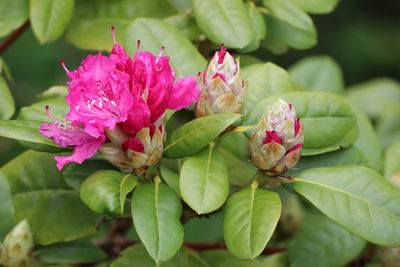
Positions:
{"x": 164, "y": 149}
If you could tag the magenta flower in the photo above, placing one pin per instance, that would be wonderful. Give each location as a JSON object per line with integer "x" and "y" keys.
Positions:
{"x": 113, "y": 100}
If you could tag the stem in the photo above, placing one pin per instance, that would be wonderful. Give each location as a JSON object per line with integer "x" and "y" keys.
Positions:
{"x": 14, "y": 36}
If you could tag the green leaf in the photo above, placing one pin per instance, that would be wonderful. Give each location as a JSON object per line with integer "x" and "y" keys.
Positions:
{"x": 329, "y": 244}
{"x": 171, "y": 177}
{"x": 5, "y": 70}
{"x": 258, "y": 25}
{"x": 316, "y": 6}
{"x": 181, "y": 5}
{"x": 204, "y": 182}
{"x": 55, "y": 215}
{"x": 186, "y": 24}
{"x": 194, "y": 135}
{"x": 56, "y": 91}
{"x": 344, "y": 157}
{"x": 328, "y": 120}
{"x": 235, "y": 150}
{"x": 156, "y": 210}
{"x": 90, "y": 27}
{"x": 224, "y": 21}
{"x": 289, "y": 24}
{"x": 318, "y": 73}
{"x": 392, "y": 156}
{"x": 250, "y": 218}
{"x": 105, "y": 191}
{"x": 264, "y": 80}
{"x": 28, "y": 131}
{"x": 37, "y": 112}
{"x": 197, "y": 226}
{"x": 357, "y": 198}
{"x": 7, "y": 221}
{"x": 137, "y": 256}
{"x": 82, "y": 251}
{"x": 380, "y": 94}
{"x": 368, "y": 141}
{"x": 74, "y": 174}
{"x": 12, "y": 14}
{"x": 388, "y": 126}
{"x": 154, "y": 34}
{"x": 7, "y": 105}
{"x": 49, "y": 18}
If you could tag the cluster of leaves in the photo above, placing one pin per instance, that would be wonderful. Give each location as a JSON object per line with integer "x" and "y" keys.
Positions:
{"x": 205, "y": 169}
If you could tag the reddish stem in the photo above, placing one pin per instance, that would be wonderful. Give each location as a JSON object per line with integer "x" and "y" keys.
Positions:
{"x": 14, "y": 36}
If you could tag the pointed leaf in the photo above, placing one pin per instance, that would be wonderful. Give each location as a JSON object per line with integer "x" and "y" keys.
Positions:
{"x": 316, "y": 6}
{"x": 156, "y": 210}
{"x": 357, "y": 198}
{"x": 250, "y": 218}
{"x": 194, "y": 135}
{"x": 7, "y": 105}
{"x": 203, "y": 181}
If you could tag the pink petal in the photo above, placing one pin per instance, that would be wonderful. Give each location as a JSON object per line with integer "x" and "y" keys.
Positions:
{"x": 184, "y": 93}
{"x": 272, "y": 136}
{"x": 138, "y": 117}
{"x": 133, "y": 144}
{"x": 298, "y": 146}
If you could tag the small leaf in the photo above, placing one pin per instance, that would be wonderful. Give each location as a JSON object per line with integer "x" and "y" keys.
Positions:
{"x": 224, "y": 21}
{"x": 194, "y": 135}
{"x": 203, "y": 181}
{"x": 250, "y": 218}
{"x": 289, "y": 24}
{"x": 318, "y": 73}
{"x": 328, "y": 120}
{"x": 105, "y": 191}
{"x": 154, "y": 34}
{"x": 156, "y": 210}
{"x": 7, "y": 105}
{"x": 258, "y": 25}
{"x": 316, "y": 6}
{"x": 137, "y": 256}
{"x": 357, "y": 198}
{"x": 56, "y": 91}
{"x": 392, "y": 157}
{"x": 49, "y": 18}
{"x": 37, "y": 112}
{"x": 80, "y": 251}
{"x": 264, "y": 80}
{"x": 13, "y": 13}
{"x": 329, "y": 244}
{"x": 186, "y": 24}
{"x": 171, "y": 177}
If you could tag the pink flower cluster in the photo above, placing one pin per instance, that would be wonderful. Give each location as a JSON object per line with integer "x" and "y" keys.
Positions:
{"x": 106, "y": 91}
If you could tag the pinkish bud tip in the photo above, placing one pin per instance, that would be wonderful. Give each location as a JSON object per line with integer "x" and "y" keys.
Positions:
{"x": 138, "y": 45}
{"x": 113, "y": 34}
{"x": 63, "y": 65}
{"x": 162, "y": 51}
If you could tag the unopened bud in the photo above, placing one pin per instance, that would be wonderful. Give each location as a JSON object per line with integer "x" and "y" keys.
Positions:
{"x": 17, "y": 247}
{"x": 390, "y": 256}
{"x": 221, "y": 85}
{"x": 276, "y": 143}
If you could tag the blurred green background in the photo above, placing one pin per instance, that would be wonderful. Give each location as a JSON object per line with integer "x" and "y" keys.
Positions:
{"x": 363, "y": 36}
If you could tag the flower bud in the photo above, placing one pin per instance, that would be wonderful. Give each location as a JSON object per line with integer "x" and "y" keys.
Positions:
{"x": 134, "y": 153}
{"x": 276, "y": 143}
{"x": 221, "y": 85}
{"x": 17, "y": 247}
{"x": 390, "y": 256}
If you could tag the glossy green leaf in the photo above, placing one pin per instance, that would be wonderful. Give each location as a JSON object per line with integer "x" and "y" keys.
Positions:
{"x": 28, "y": 131}
{"x": 328, "y": 120}
{"x": 37, "y": 112}
{"x": 235, "y": 150}
{"x": 264, "y": 80}
{"x": 5, "y": 69}
{"x": 194, "y": 135}
{"x": 56, "y": 91}
{"x": 156, "y": 211}
{"x": 380, "y": 94}
{"x": 181, "y": 5}
{"x": 7, "y": 105}
{"x": 316, "y": 6}
{"x": 388, "y": 126}
{"x": 250, "y": 218}
{"x": 7, "y": 221}
{"x": 289, "y": 24}
{"x": 55, "y": 215}
{"x": 90, "y": 27}
{"x": 137, "y": 256}
{"x": 154, "y": 34}
{"x": 13, "y": 13}
{"x": 224, "y": 21}
{"x": 81, "y": 251}
{"x": 368, "y": 141}
{"x": 74, "y": 174}
{"x": 186, "y": 24}
{"x": 392, "y": 166}
{"x": 330, "y": 244}
{"x": 344, "y": 157}
{"x": 258, "y": 25}
{"x": 49, "y": 18}
{"x": 274, "y": 45}
{"x": 318, "y": 73}
{"x": 105, "y": 191}
{"x": 170, "y": 176}
{"x": 204, "y": 182}
{"x": 357, "y": 198}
